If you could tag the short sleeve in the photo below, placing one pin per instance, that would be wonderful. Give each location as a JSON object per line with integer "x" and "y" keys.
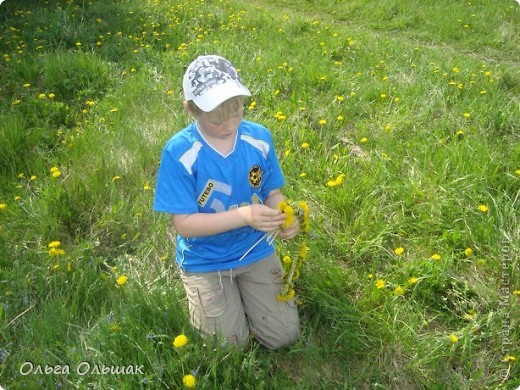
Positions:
{"x": 275, "y": 178}
{"x": 175, "y": 188}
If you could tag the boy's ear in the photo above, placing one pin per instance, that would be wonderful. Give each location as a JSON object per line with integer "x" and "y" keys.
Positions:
{"x": 187, "y": 107}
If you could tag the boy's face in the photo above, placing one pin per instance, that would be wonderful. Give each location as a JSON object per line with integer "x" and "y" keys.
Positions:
{"x": 222, "y": 130}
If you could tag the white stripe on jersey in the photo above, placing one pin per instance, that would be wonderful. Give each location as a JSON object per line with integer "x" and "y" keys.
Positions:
{"x": 257, "y": 143}
{"x": 188, "y": 158}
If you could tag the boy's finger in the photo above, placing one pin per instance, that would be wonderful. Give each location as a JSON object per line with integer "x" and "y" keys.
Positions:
{"x": 271, "y": 211}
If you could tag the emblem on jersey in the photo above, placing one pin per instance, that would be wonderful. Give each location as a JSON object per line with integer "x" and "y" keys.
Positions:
{"x": 255, "y": 176}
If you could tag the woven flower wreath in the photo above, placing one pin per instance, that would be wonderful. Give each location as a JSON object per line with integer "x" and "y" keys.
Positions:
{"x": 292, "y": 266}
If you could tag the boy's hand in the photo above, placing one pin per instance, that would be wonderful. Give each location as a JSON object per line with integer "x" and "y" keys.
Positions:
{"x": 290, "y": 231}
{"x": 262, "y": 217}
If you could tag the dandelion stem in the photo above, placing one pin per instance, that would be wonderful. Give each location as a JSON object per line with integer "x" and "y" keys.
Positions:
{"x": 269, "y": 238}
{"x": 20, "y": 315}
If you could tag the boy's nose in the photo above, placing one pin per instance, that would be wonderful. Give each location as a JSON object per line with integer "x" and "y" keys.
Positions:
{"x": 228, "y": 124}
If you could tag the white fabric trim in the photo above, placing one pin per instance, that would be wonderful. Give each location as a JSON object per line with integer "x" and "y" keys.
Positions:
{"x": 189, "y": 158}
{"x": 257, "y": 143}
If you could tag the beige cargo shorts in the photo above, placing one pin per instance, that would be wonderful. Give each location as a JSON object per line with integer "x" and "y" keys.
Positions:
{"x": 233, "y": 303}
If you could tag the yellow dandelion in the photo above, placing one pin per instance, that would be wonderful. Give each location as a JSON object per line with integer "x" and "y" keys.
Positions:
{"x": 180, "y": 341}
{"x": 323, "y": 122}
{"x": 467, "y": 115}
{"x": 3, "y": 206}
{"x": 114, "y": 327}
{"x": 468, "y": 252}
{"x": 453, "y": 338}
{"x": 121, "y": 280}
{"x": 54, "y": 244}
{"x": 380, "y": 283}
{"x": 304, "y": 251}
{"x": 399, "y": 251}
{"x": 53, "y": 252}
{"x": 483, "y": 208}
{"x": 363, "y": 140}
{"x": 336, "y": 182}
{"x": 286, "y": 260}
{"x": 189, "y": 381}
{"x": 279, "y": 115}
{"x": 436, "y": 257}
{"x": 116, "y": 178}
{"x": 469, "y": 316}
{"x": 516, "y": 292}
{"x": 399, "y": 291}
{"x": 508, "y": 358}
{"x": 42, "y": 96}
{"x": 305, "y": 145}
{"x": 413, "y": 280}
{"x": 287, "y": 209}
{"x": 286, "y": 297}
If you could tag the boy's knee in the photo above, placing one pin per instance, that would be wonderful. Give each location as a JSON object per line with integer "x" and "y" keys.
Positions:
{"x": 280, "y": 335}
{"x": 288, "y": 337}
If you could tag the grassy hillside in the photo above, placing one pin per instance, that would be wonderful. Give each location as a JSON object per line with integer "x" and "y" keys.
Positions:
{"x": 397, "y": 121}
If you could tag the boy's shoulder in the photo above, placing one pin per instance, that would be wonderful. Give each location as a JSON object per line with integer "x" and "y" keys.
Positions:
{"x": 182, "y": 141}
{"x": 255, "y": 130}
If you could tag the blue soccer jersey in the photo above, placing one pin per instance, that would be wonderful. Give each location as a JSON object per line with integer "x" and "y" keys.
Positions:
{"x": 195, "y": 178}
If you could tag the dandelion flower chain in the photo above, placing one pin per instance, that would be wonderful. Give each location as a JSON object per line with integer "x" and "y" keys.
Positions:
{"x": 288, "y": 210}
{"x": 301, "y": 211}
{"x": 292, "y": 267}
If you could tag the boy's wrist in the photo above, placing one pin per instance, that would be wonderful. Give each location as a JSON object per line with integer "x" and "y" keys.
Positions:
{"x": 244, "y": 213}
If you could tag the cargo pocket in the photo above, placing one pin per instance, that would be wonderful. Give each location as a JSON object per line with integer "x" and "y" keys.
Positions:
{"x": 206, "y": 309}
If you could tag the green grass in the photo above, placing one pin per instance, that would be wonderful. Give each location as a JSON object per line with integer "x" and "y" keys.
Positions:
{"x": 416, "y": 103}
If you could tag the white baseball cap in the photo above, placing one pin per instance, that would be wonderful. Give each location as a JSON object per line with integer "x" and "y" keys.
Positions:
{"x": 211, "y": 80}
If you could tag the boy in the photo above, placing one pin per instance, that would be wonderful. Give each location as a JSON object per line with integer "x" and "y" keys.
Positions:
{"x": 220, "y": 179}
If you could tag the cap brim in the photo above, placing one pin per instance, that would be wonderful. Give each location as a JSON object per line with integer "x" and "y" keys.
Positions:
{"x": 219, "y": 94}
